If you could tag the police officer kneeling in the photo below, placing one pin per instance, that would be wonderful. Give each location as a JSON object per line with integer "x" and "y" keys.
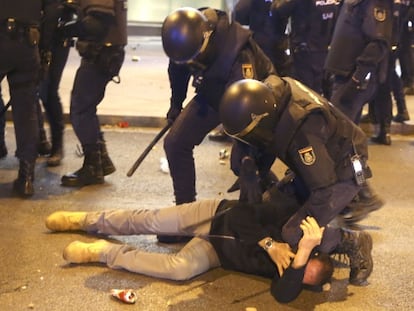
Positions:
{"x": 324, "y": 149}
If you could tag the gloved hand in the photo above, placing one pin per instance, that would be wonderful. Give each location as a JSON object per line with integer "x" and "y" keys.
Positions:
{"x": 250, "y": 188}
{"x": 173, "y": 113}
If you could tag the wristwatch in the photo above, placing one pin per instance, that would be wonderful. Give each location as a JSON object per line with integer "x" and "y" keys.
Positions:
{"x": 268, "y": 244}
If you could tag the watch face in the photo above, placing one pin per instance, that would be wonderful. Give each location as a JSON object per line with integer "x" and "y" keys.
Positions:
{"x": 269, "y": 243}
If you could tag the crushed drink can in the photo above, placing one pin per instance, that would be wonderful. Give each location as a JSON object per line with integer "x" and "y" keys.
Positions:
{"x": 125, "y": 295}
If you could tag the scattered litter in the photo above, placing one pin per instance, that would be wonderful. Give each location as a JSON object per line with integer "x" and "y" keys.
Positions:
{"x": 164, "y": 165}
{"x": 251, "y": 309}
{"x": 136, "y": 58}
{"x": 125, "y": 295}
{"x": 123, "y": 124}
{"x": 31, "y": 306}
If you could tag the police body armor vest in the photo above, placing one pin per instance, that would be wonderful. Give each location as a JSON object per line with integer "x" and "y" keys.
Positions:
{"x": 349, "y": 39}
{"x": 231, "y": 39}
{"x": 27, "y": 12}
{"x": 303, "y": 102}
{"x": 117, "y": 34}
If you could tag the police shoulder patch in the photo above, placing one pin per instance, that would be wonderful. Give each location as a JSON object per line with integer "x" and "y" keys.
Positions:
{"x": 380, "y": 14}
{"x": 247, "y": 70}
{"x": 307, "y": 155}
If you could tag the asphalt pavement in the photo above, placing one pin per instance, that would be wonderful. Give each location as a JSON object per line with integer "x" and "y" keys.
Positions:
{"x": 34, "y": 275}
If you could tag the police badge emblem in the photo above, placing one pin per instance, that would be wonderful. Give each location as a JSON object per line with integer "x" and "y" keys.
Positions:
{"x": 380, "y": 14}
{"x": 307, "y": 155}
{"x": 247, "y": 70}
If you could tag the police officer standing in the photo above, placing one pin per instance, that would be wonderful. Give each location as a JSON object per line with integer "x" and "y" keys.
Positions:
{"x": 358, "y": 55}
{"x": 101, "y": 40}
{"x": 20, "y": 63}
{"x": 312, "y": 24}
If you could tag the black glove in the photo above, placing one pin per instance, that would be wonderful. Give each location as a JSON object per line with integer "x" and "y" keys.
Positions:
{"x": 173, "y": 113}
{"x": 250, "y": 188}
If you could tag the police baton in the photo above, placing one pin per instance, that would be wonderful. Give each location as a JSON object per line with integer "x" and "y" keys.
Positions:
{"x": 148, "y": 149}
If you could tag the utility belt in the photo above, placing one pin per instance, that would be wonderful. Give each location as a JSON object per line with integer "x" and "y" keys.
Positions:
{"x": 109, "y": 58}
{"x": 18, "y": 30}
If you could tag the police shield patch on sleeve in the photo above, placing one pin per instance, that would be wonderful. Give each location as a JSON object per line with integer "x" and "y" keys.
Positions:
{"x": 307, "y": 155}
{"x": 247, "y": 71}
{"x": 380, "y": 14}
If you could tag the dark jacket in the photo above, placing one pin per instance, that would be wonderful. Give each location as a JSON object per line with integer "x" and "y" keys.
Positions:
{"x": 235, "y": 235}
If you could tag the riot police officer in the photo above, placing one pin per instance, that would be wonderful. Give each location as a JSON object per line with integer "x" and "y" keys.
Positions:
{"x": 358, "y": 53}
{"x": 380, "y": 108}
{"x": 20, "y": 63}
{"x": 203, "y": 44}
{"x": 101, "y": 40}
{"x": 311, "y": 27}
{"x": 324, "y": 149}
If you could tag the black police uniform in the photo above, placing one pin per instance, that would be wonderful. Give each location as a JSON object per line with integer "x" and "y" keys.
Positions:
{"x": 54, "y": 61}
{"x": 358, "y": 53}
{"x": 101, "y": 41}
{"x": 316, "y": 142}
{"x": 20, "y": 63}
{"x": 269, "y": 31}
{"x": 380, "y": 108}
{"x": 235, "y": 56}
{"x": 312, "y": 25}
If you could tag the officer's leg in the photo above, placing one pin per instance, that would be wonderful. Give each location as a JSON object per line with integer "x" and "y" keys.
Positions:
{"x": 23, "y": 99}
{"x": 189, "y": 129}
{"x": 383, "y": 112}
{"x": 52, "y": 102}
{"x": 88, "y": 91}
{"x": 44, "y": 145}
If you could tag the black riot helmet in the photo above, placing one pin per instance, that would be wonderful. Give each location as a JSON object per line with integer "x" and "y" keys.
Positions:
{"x": 185, "y": 34}
{"x": 248, "y": 112}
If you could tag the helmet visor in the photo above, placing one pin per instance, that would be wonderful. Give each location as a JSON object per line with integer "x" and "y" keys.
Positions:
{"x": 203, "y": 47}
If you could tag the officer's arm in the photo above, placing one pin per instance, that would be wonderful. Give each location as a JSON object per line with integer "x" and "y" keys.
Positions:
{"x": 179, "y": 76}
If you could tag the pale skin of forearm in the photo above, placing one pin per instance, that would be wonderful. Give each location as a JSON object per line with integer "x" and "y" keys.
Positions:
{"x": 281, "y": 253}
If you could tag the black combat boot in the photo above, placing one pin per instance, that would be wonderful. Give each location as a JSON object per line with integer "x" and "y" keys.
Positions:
{"x": 357, "y": 245}
{"x": 365, "y": 202}
{"x": 108, "y": 166}
{"x": 382, "y": 134}
{"x": 56, "y": 154}
{"x": 23, "y": 185}
{"x": 90, "y": 173}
